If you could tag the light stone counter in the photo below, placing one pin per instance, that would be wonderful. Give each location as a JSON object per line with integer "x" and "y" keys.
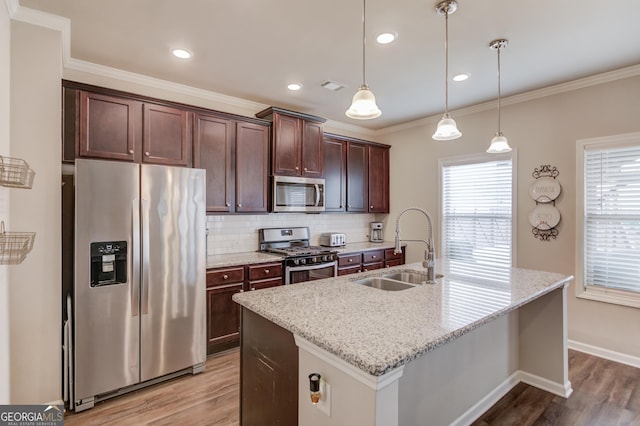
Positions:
{"x": 378, "y": 331}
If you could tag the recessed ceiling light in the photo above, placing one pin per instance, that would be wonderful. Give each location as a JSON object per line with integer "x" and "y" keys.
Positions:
{"x": 181, "y": 53}
{"x": 460, "y": 77}
{"x": 386, "y": 38}
{"x": 294, "y": 86}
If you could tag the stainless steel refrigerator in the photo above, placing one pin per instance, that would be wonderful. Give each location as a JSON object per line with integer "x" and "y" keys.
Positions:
{"x": 138, "y": 298}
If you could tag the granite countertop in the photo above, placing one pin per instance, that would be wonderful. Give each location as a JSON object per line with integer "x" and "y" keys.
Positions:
{"x": 378, "y": 330}
{"x": 247, "y": 258}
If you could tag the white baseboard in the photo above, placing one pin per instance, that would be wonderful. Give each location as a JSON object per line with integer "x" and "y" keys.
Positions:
{"x": 479, "y": 408}
{"x": 631, "y": 360}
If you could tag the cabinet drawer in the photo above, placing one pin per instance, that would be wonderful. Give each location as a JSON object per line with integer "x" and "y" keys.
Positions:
{"x": 351, "y": 259}
{"x": 372, "y": 266}
{"x": 265, "y": 284}
{"x": 265, "y": 270}
{"x": 372, "y": 256}
{"x": 389, "y": 254}
{"x": 348, "y": 271}
{"x": 217, "y": 277}
{"x": 392, "y": 262}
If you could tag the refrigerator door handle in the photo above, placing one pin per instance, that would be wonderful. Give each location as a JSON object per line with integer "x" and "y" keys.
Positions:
{"x": 144, "y": 218}
{"x": 135, "y": 257}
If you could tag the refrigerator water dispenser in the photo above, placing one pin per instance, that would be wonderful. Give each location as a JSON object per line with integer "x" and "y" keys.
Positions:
{"x": 108, "y": 263}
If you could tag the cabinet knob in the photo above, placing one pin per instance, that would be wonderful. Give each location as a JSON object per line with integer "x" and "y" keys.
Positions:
{"x": 241, "y": 291}
{"x": 305, "y": 169}
{"x": 365, "y": 270}
{"x": 130, "y": 151}
{"x": 350, "y": 260}
{"x": 373, "y": 257}
{"x": 370, "y": 207}
{"x": 266, "y": 271}
{"x": 239, "y": 205}
{"x": 297, "y": 168}
{"x": 225, "y": 277}
{"x": 147, "y": 153}
{"x": 253, "y": 289}
{"x": 348, "y": 205}
{"x": 227, "y": 204}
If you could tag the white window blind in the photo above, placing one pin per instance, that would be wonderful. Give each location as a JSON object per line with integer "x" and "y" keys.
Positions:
{"x": 477, "y": 215}
{"x": 612, "y": 217}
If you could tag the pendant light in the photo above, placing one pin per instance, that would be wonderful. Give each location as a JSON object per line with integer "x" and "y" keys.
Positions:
{"x": 447, "y": 129}
{"x": 363, "y": 106}
{"x": 499, "y": 143}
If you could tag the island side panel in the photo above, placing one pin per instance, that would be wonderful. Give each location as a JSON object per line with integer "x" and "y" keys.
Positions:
{"x": 543, "y": 343}
{"x": 268, "y": 373}
{"x": 445, "y": 386}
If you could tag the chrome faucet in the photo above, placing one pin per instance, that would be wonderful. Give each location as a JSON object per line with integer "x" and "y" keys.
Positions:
{"x": 429, "y": 254}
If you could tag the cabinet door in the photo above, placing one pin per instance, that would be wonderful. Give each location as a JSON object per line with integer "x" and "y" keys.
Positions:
{"x": 223, "y": 317}
{"x": 166, "y": 136}
{"x": 357, "y": 179}
{"x": 252, "y": 167}
{"x": 108, "y": 127}
{"x": 335, "y": 175}
{"x": 312, "y": 149}
{"x": 212, "y": 151}
{"x": 378, "y": 179}
{"x": 286, "y": 145}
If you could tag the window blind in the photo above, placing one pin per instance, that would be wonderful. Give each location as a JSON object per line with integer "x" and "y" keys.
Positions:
{"x": 477, "y": 217}
{"x": 612, "y": 218}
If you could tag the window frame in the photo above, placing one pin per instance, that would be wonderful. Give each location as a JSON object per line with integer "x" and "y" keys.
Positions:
{"x": 482, "y": 158}
{"x": 599, "y": 294}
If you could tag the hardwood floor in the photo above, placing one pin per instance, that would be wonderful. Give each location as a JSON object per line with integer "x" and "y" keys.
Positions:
{"x": 605, "y": 393}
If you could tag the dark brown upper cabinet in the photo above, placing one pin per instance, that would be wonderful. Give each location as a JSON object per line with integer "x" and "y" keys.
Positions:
{"x": 236, "y": 157}
{"x": 356, "y": 174}
{"x": 297, "y": 143}
{"x": 335, "y": 174}
{"x": 107, "y": 124}
{"x": 378, "y": 179}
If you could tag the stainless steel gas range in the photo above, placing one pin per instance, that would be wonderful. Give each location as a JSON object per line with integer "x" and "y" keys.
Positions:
{"x": 302, "y": 261}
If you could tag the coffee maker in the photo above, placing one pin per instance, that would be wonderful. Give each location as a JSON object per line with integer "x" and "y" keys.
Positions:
{"x": 375, "y": 232}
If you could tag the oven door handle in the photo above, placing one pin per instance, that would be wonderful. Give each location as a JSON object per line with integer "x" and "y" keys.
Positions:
{"x": 310, "y": 267}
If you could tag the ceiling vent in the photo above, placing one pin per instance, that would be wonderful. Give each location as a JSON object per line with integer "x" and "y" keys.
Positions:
{"x": 332, "y": 85}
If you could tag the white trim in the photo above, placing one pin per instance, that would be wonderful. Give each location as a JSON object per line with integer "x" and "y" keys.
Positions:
{"x": 593, "y": 293}
{"x": 631, "y": 360}
{"x": 484, "y": 404}
{"x": 57, "y": 402}
{"x": 374, "y": 382}
{"x": 561, "y": 389}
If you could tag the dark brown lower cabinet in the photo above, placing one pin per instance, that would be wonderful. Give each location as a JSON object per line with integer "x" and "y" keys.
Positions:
{"x": 268, "y": 373}
{"x": 222, "y": 317}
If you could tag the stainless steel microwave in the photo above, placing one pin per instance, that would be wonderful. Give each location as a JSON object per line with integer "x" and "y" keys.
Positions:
{"x": 298, "y": 194}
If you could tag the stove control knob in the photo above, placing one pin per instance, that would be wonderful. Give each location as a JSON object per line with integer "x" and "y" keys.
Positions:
{"x": 303, "y": 261}
{"x": 325, "y": 258}
{"x": 295, "y": 261}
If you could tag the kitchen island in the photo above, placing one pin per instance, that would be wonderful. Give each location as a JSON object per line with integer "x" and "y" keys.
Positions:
{"x": 433, "y": 354}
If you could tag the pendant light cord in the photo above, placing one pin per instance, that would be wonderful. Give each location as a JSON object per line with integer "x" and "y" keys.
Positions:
{"x": 364, "y": 41}
{"x": 446, "y": 61}
{"x": 499, "y": 103}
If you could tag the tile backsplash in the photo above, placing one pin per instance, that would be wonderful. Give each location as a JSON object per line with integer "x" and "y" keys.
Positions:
{"x": 239, "y": 233}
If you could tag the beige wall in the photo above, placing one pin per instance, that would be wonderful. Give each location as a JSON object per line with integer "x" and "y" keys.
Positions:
{"x": 34, "y": 292}
{"x": 5, "y": 85}
{"x": 543, "y": 131}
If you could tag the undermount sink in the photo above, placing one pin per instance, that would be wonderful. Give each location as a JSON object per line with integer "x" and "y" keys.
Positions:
{"x": 409, "y": 277}
{"x": 396, "y": 281}
{"x": 384, "y": 284}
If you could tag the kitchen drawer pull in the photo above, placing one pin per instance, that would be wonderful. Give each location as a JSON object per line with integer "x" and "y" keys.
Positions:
{"x": 373, "y": 257}
{"x": 253, "y": 289}
{"x": 266, "y": 271}
{"x": 225, "y": 277}
{"x": 130, "y": 151}
{"x": 239, "y": 205}
{"x": 147, "y": 153}
{"x": 371, "y": 207}
{"x": 350, "y": 260}
{"x": 297, "y": 168}
{"x": 227, "y": 204}
{"x": 305, "y": 169}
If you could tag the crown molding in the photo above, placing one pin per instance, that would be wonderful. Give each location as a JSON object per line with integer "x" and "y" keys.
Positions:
{"x": 594, "y": 80}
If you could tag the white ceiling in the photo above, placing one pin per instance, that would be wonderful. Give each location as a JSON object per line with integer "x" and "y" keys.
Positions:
{"x": 252, "y": 49}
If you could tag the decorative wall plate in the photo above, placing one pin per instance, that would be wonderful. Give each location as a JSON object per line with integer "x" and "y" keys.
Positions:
{"x": 544, "y": 217}
{"x": 544, "y": 189}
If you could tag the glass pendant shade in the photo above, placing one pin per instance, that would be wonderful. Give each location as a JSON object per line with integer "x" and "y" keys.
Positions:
{"x": 447, "y": 129}
{"x": 363, "y": 106}
{"x": 499, "y": 144}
